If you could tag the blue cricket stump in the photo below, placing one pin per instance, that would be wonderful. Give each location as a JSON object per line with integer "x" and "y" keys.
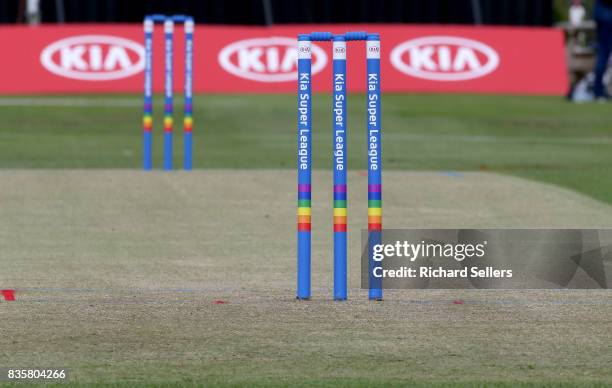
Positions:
{"x": 339, "y": 156}
{"x": 188, "y": 107}
{"x": 374, "y": 161}
{"x": 304, "y": 160}
{"x": 168, "y": 92}
{"x": 147, "y": 120}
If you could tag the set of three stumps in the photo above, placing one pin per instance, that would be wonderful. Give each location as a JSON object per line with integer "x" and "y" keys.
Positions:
{"x": 168, "y": 22}
{"x": 304, "y": 159}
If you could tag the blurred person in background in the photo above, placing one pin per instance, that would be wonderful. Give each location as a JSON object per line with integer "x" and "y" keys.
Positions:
{"x": 603, "y": 17}
{"x": 576, "y": 13}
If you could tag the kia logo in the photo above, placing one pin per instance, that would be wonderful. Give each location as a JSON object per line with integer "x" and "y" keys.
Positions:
{"x": 271, "y": 59}
{"x": 93, "y": 57}
{"x": 444, "y": 58}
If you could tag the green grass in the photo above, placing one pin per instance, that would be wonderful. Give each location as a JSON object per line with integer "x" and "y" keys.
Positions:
{"x": 542, "y": 138}
{"x": 346, "y": 382}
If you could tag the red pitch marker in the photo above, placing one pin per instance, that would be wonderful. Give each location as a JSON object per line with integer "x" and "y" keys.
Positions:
{"x": 458, "y": 301}
{"x": 9, "y": 295}
{"x": 219, "y": 302}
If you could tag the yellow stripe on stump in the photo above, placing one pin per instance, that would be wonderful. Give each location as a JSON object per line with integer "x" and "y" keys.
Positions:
{"x": 303, "y": 211}
{"x": 375, "y": 211}
{"x": 339, "y": 211}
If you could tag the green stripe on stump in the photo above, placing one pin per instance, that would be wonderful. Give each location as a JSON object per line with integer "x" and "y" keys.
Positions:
{"x": 340, "y": 203}
{"x": 303, "y": 203}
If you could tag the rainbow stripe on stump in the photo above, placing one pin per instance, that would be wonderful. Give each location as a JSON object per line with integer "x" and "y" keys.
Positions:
{"x": 339, "y": 208}
{"x": 147, "y": 124}
{"x": 304, "y": 208}
{"x": 374, "y": 207}
{"x": 188, "y": 123}
{"x": 187, "y": 137}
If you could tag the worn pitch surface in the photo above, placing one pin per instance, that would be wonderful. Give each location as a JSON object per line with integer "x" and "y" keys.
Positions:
{"x": 162, "y": 277}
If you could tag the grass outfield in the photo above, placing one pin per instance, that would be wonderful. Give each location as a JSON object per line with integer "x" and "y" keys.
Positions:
{"x": 542, "y": 138}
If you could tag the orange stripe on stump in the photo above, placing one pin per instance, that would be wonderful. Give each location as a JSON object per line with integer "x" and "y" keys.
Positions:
{"x": 340, "y": 220}
{"x": 374, "y": 220}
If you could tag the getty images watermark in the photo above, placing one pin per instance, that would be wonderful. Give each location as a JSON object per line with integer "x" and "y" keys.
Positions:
{"x": 488, "y": 258}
